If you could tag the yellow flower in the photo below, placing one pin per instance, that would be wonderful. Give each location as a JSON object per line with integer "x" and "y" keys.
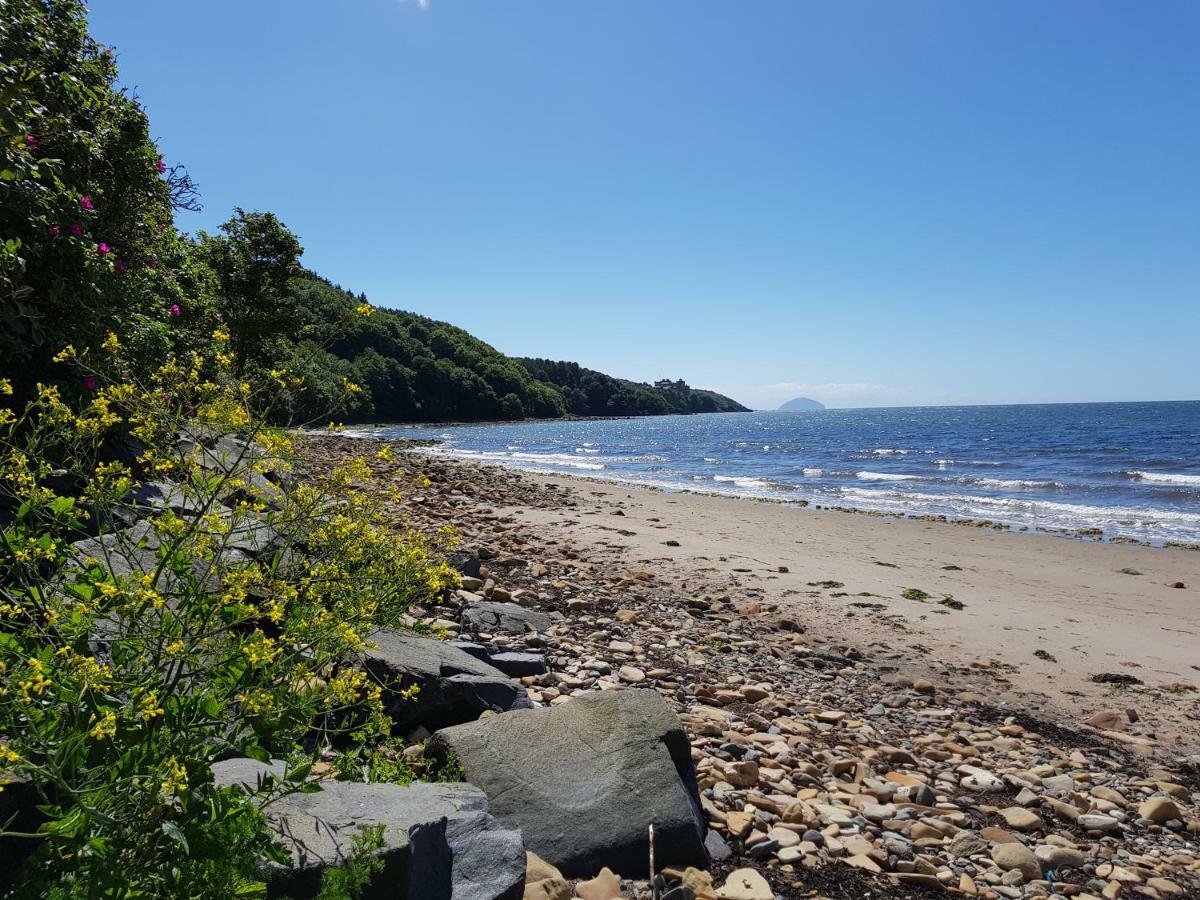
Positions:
{"x": 176, "y": 781}
{"x": 112, "y": 343}
{"x": 149, "y": 708}
{"x": 105, "y": 727}
{"x": 364, "y": 309}
{"x": 261, "y": 649}
{"x": 66, "y": 353}
{"x": 6, "y": 387}
{"x": 384, "y": 454}
{"x": 8, "y": 755}
{"x": 175, "y": 648}
{"x": 257, "y": 702}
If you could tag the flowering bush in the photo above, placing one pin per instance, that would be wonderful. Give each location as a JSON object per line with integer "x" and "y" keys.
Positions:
{"x": 87, "y": 242}
{"x": 171, "y": 593}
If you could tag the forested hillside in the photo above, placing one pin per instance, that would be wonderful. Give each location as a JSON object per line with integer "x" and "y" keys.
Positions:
{"x": 591, "y": 393}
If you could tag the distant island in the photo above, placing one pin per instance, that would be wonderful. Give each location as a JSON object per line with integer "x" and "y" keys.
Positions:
{"x": 802, "y": 404}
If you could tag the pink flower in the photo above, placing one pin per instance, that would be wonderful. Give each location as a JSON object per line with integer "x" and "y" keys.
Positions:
{"x": 55, "y": 231}
{"x": 119, "y": 265}
{"x": 30, "y": 140}
{"x": 103, "y": 249}
{"x": 175, "y": 310}
{"x": 86, "y": 202}
{"x": 160, "y": 165}
{"x": 76, "y": 230}
{"x": 153, "y": 263}
{"x": 89, "y": 382}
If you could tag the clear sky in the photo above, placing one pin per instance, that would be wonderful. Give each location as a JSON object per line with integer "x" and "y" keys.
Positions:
{"x": 878, "y": 203}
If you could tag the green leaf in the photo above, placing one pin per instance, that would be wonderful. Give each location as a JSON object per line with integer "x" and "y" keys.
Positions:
{"x": 254, "y": 751}
{"x": 171, "y": 830}
{"x": 70, "y": 825}
{"x": 300, "y": 772}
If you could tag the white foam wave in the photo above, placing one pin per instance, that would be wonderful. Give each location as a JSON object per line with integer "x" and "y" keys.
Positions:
{"x": 1012, "y": 483}
{"x": 965, "y": 462}
{"x": 1041, "y": 512}
{"x": 587, "y": 449}
{"x": 566, "y": 460}
{"x": 885, "y": 476}
{"x": 1167, "y": 478}
{"x": 812, "y": 473}
{"x": 742, "y": 481}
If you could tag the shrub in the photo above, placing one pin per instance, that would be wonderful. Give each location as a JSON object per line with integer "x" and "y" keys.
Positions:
{"x": 217, "y": 609}
{"x": 87, "y": 243}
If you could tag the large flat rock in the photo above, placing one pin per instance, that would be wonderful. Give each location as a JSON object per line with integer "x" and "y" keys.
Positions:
{"x": 584, "y": 780}
{"x": 455, "y": 687}
{"x": 439, "y": 841}
{"x": 491, "y": 616}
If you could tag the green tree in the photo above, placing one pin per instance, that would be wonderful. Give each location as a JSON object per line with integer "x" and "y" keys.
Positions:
{"x": 253, "y": 259}
{"x": 511, "y": 407}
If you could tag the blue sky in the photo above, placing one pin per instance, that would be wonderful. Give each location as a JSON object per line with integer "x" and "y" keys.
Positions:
{"x": 868, "y": 203}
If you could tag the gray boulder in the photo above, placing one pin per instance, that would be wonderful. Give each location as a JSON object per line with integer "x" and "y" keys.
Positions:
{"x": 584, "y": 780}
{"x": 455, "y": 687}
{"x": 439, "y": 842}
{"x": 507, "y": 617}
{"x": 510, "y": 662}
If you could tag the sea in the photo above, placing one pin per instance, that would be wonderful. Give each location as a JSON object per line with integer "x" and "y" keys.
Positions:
{"x": 1108, "y": 470}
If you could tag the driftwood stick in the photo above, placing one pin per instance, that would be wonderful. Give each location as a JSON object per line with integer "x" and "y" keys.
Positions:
{"x": 653, "y": 882}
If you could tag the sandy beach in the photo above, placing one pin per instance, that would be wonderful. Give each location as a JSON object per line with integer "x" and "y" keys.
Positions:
{"x": 1040, "y": 615}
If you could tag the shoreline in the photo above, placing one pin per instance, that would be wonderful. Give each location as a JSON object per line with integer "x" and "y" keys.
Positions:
{"x": 1085, "y": 535}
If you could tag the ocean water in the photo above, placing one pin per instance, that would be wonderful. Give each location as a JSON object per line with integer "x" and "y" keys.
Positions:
{"x": 1129, "y": 469}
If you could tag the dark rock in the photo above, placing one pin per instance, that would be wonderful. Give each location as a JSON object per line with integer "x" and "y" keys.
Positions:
{"x": 584, "y": 780}
{"x": 507, "y": 617}
{"x": 18, "y": 812}
{"x": 439, "y": 841}
{"x": 763, "y": 849}
{"x": 455, "y": 687}
{"x": 923, "y": 795}
{"x": 464, "y": 563}
{"x": 511, "y": 663}
{"x": 718, "y": 850}
{"x": 519, "y": 665}
{"x": 1115, "y": 678}
{"x": 153, "y": 496}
